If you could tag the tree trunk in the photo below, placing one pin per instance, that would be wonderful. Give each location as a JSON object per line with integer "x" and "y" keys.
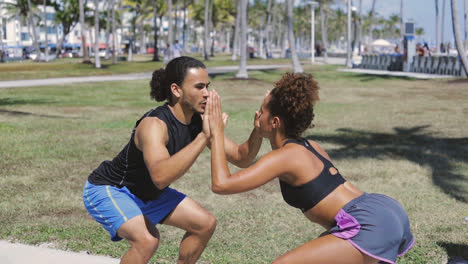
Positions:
{"x": 242, "y": 73}
{"x": 324, "y": 28}
{"x": 33, "y": 29}
{"x": 348, "y": 44}
{"x": 465, "y": 6}
{"x": 402, "y": 24}
{"x": 114, "y": 34}
{"x": 84, "y": 49}
{"x": 97, "y": 59}
{"x": 458, "y": 38}
{"x": 46, "y": 49}
{"x": 371, "y": 19}
{"x": 206, "y": 38}
{"x": 155, "y": 21}
{"x": 235, "y": 44}
{"x": 297, "y": 68}
{"x": 268, "y": 19}
{"x": 142, "y": 38}
{"x": 170, "y": 37}
{"x": 184, "y": 28}
{"x": 212, "y": 26}
{"x": 443, "y": 24}
{"x": 108, "y": 21}
{"x": 437, "y": 27}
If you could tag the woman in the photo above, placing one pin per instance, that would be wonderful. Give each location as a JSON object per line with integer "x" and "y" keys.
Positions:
{"x": 362, "y": 227}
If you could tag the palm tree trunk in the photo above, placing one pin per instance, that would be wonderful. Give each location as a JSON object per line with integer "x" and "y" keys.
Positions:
{"x": 210, "y": 15}
{"x": 170, "y": 37}
{"x": 268, "y": 29}
{"x": 155, "y": 21}
{"x": 465, "y": 6}
{"x": 297, "y": 68}
{"x": 443, "y": 23}
{"x": 142, "y": 38}
{"x": 84, "y": 49}
{"x": 348, "y": 45}
{"x": 114, "y": 34}
{"x": 235, "y": 44}
{"x": 206, "y": 38}
{"x": 184, "y": 28}
{"x": 437, "y": 27}
{"x": 324, "y": 28}
{"x": 97, "y": 59}
{"x": 33, "y": 29}
{"x": 242, "y": 73}
{"x": 108, "y": 21}
{"x": 458, "y": 39}
{"x": 46, "y": 50}
{"x": 371, "y": 19}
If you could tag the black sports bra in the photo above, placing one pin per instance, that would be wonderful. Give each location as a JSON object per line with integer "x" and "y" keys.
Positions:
{"x": 311, "y": 193}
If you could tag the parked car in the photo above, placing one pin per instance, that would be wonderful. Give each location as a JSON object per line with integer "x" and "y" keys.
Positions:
{"x": 42, "y": 57}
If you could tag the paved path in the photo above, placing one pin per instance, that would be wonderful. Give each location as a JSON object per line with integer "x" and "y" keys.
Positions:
{"x": 415, "y": 75}
{"x": 11, "y": 253}
{"x": 123, "y": 77}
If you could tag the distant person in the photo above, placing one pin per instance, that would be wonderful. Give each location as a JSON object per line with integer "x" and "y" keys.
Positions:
{"x": 2, "y": 54}
{"x": 167, "y": 54}
{"x": 130, "y": 195}
{"x": 442, "y": 48}
{"x": 426, "y": 50}
{"x": 176, "y": 49}
{"x": 361, "y": 227}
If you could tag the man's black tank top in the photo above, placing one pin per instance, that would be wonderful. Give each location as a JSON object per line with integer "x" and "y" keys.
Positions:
{"x": 128, "y": 167}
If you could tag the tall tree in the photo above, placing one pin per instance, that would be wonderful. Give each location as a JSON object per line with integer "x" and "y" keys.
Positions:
{"x": 443, "y": 23}
{"x": 371, "y": 19}
{"x": 84, "y": 47}
{"x": 242, "y": 72}
{"x": 297, "y": 68}
{"x": 348, "y": 44}
{"x": 437, "y": 26}
{"x": 458, "y": 38}
{"x": 324, "y": 29}
{"x": 114, "y": 33}
{"x": 32, "y": 24}
{"x": 44, "y": 15}
{"x": 235, "y": 45}
{"x": 465, "y": 6}
{"x": 67, "y": 15}
{"x": 97, "y": 59}
{"x": 206, "y": 38}
{"x": 170, "y": 37}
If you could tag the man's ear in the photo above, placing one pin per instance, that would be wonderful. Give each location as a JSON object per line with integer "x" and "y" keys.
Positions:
{"x": 176, "y": 90}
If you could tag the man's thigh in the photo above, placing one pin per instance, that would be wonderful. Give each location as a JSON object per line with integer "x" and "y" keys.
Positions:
{"x": 189, "y": 216}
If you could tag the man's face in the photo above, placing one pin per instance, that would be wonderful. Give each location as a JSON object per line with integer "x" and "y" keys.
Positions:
{"x": 195, "y": 89}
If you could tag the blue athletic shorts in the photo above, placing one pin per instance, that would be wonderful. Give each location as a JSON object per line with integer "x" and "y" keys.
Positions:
{"x": 375, "y": 224}
{"x": 111, "y": 206}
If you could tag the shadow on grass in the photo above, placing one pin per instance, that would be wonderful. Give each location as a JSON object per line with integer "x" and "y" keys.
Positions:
{"x": 12, "y": 101}
{"x": 20, "y": 113}
{"x": 413, "y": 144}
{"x": 364, "y": 77}
{"x": 455, "y": 249}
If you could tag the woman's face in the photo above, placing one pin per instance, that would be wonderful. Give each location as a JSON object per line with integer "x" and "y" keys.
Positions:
{"x": 265, "y": 119}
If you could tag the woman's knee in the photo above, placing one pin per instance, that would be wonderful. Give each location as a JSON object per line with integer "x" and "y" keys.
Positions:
{"x": 208, "y": 225}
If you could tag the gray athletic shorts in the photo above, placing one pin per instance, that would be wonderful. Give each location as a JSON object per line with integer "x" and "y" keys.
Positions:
{"x": 375, "y": 224}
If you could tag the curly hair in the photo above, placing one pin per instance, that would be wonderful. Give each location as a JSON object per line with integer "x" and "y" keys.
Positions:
{"x": 292, "y": 100}
{"x": 175, "y": 72}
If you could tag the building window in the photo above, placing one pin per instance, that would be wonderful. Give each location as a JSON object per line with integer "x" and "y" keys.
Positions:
{"x": 24, "y": 36}
{"x": 50, "y": 16}
{"x": 50, "y": 30}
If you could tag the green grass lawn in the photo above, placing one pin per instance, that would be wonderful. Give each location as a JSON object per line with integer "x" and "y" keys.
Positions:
{"x": 74, "y": 67}
{"x": 401, "y": 137}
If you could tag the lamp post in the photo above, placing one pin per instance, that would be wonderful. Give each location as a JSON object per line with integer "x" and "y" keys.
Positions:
{"x": 313, "y": 4}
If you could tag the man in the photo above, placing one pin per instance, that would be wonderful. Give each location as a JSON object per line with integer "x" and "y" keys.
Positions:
{"x": 129, "y": 195}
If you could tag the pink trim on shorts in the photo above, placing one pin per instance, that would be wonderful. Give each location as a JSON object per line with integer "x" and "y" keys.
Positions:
{"x": 404, "y": 252}
{"x": 349, "y": 226}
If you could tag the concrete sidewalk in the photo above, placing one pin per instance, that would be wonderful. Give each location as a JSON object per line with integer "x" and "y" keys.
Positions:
{"x": 12, "y": 253}
{"x": 415, "y": 75}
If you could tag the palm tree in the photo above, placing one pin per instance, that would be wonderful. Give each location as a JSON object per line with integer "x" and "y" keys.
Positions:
{"x": 84, "y": 48}
{"x": 466, "y": 24}
{"x": 297, "y": 68}
{"x": 114, "y": 34}
{"x": 443, "y": 22}
{"x": 235, "y": 46}
{"x": 66, "y": 15}
{"x": 44, "y": 15}
{"x": 371, "y": 19}
{"x": 437, "y": 26}
{"x": 419, "y": 31}
{"x": 97, "y": 59}
{"x": 206, "y": 38}
{"x": 242, "y": 73}
{"x": 170, "y": 38}
{"x": 458, "y": 39}
{"x": 324, "y": 28}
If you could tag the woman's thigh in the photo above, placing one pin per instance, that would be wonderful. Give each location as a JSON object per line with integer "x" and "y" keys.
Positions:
{"x": 326, "y": 249}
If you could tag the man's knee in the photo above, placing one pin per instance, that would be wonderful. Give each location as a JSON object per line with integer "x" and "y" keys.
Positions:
{"x": 147, "y": 243}
{"x": 208, "y": 224}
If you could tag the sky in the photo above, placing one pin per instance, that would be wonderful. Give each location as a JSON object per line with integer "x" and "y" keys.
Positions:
{"x": 420, "y": 11}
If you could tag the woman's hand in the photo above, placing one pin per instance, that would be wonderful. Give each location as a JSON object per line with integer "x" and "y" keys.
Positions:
{"x": 217, "y": 119}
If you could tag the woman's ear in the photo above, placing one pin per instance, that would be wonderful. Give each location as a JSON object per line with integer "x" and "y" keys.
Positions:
{"x": 275, "y": 123}
{"x": 176, "y": 90}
